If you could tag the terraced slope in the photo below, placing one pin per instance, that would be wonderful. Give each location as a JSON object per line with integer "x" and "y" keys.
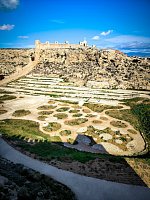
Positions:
{"x": 57, "y": 88}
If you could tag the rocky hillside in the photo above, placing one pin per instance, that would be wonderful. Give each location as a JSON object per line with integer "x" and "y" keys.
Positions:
{"x": 11, "y": 59}
{"x": 20, "y": 183}
{"x": 91, "y": 67}
{"x": 97, "y": 68}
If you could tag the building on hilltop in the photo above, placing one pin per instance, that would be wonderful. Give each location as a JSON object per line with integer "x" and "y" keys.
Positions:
{"x": 56, "y": 45}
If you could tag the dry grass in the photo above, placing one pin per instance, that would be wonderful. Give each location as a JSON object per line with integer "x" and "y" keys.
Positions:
{"x": 21, "y": 113}
{"x": 61, "y": 115}
{"x": 90, "y": 115}
{"x": 51, "y": 102}
{"x": 7, "y": 97}
{"x": 132, "y": 131}
{"x": 100, "y": 107}
{"x": 125, "y": 115}
{"x": 65, "y": 132}
{"x": 45, "y": 112}
{"x": 85, "y": 110}
{"x": 76, "y": 121}
{"x": 104, "y": 118}
{"x": 62, "y": 109}
{"x": 46, "y": 107}
{"x": 52, "y": 126}
{"x": 74, "y": 111}
{"x": 97, "y": 121}
{"x": 118, "y": 124}
{"x": 42, "y": 117}
{"x": 3, "y": 111}
{"x": 77, "y": 115}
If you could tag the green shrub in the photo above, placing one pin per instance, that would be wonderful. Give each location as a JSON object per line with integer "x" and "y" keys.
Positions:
{"x": 143, "y": 114}
{"x": 65, "y": 132}
{"x": 74, "y": 111}
{"x": 52, "y": 126}
{"x": 126, "y": 115}
{"x": 21, "y": 113}
{"x": 96, "y": 121}
{"x": 76, "y": 121}
{"x": 46, "y": 107}
{"x": 42, "y": 117}
{"x": 62, "y": 109}
{"x": 77, "y": 115}
{"x": 45, "y": 112}
{"x": 22, "y": 128}
{"x": 55, "y": 139}
{"x": 7, "y": 97}
{"x": 118, "y": 124}
{"x": 61, "y": 115}
{"x": 100, "y": 107}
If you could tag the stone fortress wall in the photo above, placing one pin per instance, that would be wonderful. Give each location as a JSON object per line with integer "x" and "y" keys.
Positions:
{"x": 56, "y": 45}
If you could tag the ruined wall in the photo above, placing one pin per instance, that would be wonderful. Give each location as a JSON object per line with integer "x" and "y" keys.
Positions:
{"x": 47, "y": 45}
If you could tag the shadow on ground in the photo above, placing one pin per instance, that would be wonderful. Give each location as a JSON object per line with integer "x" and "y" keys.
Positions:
{"x": 102, "y": 166}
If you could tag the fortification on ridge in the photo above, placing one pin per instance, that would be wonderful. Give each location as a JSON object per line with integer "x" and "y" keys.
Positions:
{"x": 56, "y": 45}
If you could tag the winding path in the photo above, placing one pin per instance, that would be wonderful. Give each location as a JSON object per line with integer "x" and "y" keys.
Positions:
{"x": 21, "y": 71}
{"x": 85, "y": 188}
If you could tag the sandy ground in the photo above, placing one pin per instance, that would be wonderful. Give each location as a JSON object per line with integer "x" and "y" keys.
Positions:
{"x": 33, "y": 102}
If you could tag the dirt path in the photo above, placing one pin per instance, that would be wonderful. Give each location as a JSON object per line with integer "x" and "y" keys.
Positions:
{"x": 85, "y": 188}
{"x": 21, "y": 71}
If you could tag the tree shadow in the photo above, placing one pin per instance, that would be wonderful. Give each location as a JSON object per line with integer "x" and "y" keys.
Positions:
{"x": 86, "y": 143}
{"x": 99, "y": 165}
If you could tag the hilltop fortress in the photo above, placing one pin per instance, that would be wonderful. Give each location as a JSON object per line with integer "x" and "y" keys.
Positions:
{"x": 79, "y": 64}
{"x": 56, "y": 45}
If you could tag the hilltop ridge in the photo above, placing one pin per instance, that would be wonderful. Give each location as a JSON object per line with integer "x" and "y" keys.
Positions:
{"x": 95, "y": 68}
{"x": 85, "y": 66}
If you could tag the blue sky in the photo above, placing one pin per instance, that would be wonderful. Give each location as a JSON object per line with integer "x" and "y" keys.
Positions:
{"x": 119, "y": 24}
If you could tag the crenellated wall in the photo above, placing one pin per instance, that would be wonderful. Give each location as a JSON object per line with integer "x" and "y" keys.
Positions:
{"x": 56, "y": 45}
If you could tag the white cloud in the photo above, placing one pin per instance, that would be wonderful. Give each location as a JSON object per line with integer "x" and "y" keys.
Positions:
{"x": 104, "y": 33}
{"x": 57, "y": 21}
{"x": 8, "y": 4}
{"x": 23, "y": 36}
{"x": 121, "y": 39}
{"x": 130, "y": 43}
{"x": 7, "y": 27}
{"x": 96, "y": 37}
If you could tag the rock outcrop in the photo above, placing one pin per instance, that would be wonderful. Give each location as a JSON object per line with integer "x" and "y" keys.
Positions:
{"x": 21, "y": 183}
{"x": 96, "y": 68}
{"x": 13, "y": 59}
{"x": 88, "y": 66}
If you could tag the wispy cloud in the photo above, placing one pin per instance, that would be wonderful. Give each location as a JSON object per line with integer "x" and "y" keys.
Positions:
{"x": 130, "y": 43}
{"x": 57, "y": 21}
{"x": 8, "y": 4}
{"x": 7, "y": 27}
{"x": 104, "y": 33}
{"x": 96, "y": 37}
{"x": 23, "y": 36}
{"x": 121, "y": 39}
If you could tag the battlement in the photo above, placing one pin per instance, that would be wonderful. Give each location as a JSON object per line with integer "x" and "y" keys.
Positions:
{"x": 56, "y": 45}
